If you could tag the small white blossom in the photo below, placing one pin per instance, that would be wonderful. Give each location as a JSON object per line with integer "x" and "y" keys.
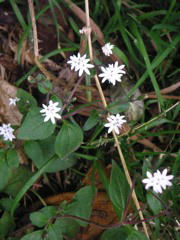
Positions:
{"x": 107, "y": 49}
{"x": 158, "y": 181}
{"x": 81, "y": 31}
{"x": 80, "y": 64}
{"x": 112, "y": 73}
{"x": 13, "y": 101}
{"x": 115, "y": 122}
{"x": 50, "y": 111}
{"x": 7, "y": 131}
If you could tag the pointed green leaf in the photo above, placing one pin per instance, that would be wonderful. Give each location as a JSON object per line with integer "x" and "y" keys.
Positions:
{"x": 154, "y": 203}
{"x": 115, "y": 234}
{"x": 34, "y": 127}
{"x": 69, "y": 227}
{"x": 37, "y": 235}
{"x": 34, "y": 152}
{"x": 81, "y": 204}
{"x": 91, "y": 121}
{"x": 54, "y": 233}
{"x": 118, "y": 189}
{"x": 26, "y": 102}
{"x": 42, "y": 217}
{"x": 123, "y": 233}
{"x": 68, "y": 139}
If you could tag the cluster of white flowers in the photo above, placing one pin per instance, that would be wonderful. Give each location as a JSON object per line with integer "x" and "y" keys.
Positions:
{"x": 115, "y": 122}
{"x": 7, "y": 131}
{"x": 158, "y": 180}
{"x": 13, "y": 101}
{"x": 80, "y": 64}
{"x": 112, "y": 73}
{"x": 50, "y": 111}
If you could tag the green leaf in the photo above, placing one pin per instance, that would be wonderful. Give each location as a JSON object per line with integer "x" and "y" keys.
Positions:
{"x": 42, "y": 217}
{"x": 34, "y": 152}
{"x": 81, "y": 204}
{"x": 121, "y": 55}
{"x": 61, "y": 164}
{"x": 12, "y": 180}
{"x": 5, "y": 174}
{"x": 26, "y": 102}
{"x": 6, "y": 203}
{"x": 68, "y": 139}
{"x": 68, "y": 227}
{"x": 34, "y": 127}
{"x": 37, "y": 235}
{"x": 47, "y": 147}
{"x": 123, "y": 233}
{"x": 6, "y": 224}
{"x": 117, "y": 107}
{"x": 41, "y": 151}
{"x": 54, "y": 233}
{"x": 91, "y": 121}
{"x": 136, "y": 235}
{"x": 44, "y": 85}
{"x": 115, "y": 234}
{"x": 28, "y": 184}
{"x": 12, "y": 158}
{"x": 118, "y": 189}
{"x": 154, "y": 203}
{"x": 19, "y": 176}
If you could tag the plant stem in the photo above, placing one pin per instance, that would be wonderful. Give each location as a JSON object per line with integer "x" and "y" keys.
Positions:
{"x": 33, "y": 20}
{"x": 136, "y": 202}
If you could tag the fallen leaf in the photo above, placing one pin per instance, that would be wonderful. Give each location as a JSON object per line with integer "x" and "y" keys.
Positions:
{"x": 8, "y": 113}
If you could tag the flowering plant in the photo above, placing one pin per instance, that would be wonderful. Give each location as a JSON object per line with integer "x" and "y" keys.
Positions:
{"x": 73, "y": 131}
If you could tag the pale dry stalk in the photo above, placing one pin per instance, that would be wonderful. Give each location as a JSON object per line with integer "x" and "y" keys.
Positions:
{"x": 33, "y": 20}
{"x": 136, "y": 202}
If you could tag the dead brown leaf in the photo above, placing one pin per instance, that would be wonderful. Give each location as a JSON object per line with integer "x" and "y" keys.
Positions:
{"x": 8, "y": 113}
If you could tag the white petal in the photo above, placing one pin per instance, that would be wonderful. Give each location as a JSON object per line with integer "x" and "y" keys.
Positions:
{"x": 116, "y": 129}
{"x": 53, "y": 119}
{"x": 148, "y": 174}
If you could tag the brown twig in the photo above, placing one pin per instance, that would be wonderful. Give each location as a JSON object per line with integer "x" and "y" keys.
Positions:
{"x": 168, "y": 89}
{"x": 72, "y": 93}
{"x": 153, "y": 95}
{"x": 103, "y": 226}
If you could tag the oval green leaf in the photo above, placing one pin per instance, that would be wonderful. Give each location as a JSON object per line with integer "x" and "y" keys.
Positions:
{"x": 68, "y": 139}
{"x": 34, "y": 127}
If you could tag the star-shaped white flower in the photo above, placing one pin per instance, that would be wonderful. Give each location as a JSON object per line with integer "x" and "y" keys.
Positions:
{"x": 13, "y": 101}
{"x": 158, "y": 181}
{"x": 50, "y": 111}
{"x": 115, "y": 122}
{"x": 7, "y": 131}
{"x": 80, "y": 64}
{"x": 107, "y": 49}
{"x": 112, "y": 73}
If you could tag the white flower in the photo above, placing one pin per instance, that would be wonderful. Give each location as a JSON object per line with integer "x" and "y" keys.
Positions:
{"x": 112, "y": 73}
{"x": 82, "y": 31}
{"x": 13, "y": 101}
{"x": 7, "y": 131}
{"x": 50, "y": 111}
{"x": 80, "y": 64}
{"x": 158, "y": 181}
{"x": 115, "y": 122}
{"x": 107, "y": 49}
